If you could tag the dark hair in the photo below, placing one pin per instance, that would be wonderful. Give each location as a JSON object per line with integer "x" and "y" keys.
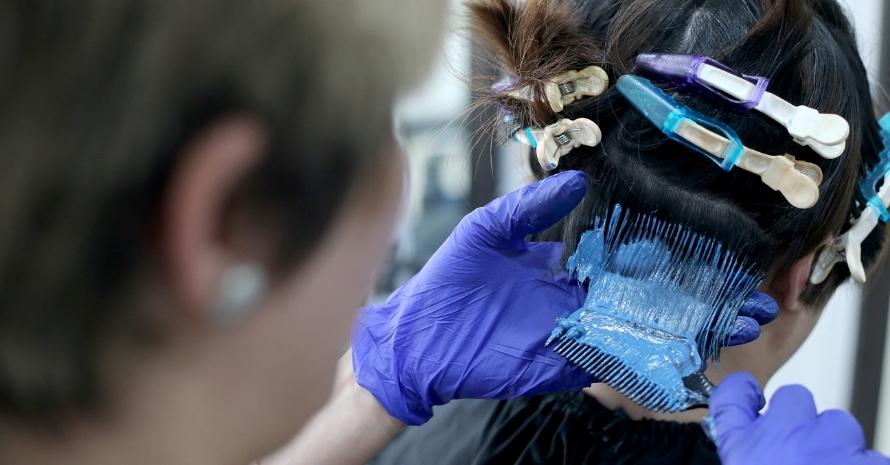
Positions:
{"x": 98, "y": 98}
{"x": 805, "y": 47}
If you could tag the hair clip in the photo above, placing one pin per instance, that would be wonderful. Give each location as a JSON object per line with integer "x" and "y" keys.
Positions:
{"x": 575, "y": 85}
{"x": 565, "y": 89}
{"x": 509, "y": 123}
{"x": 826, "y": 134}
{"x": 848, "y": 247}
{"x": 796, "y": 180}
{"x": 557, "y": 140}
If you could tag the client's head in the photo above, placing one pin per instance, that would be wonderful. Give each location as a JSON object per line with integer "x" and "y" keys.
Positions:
{"x": 807, "y": 50}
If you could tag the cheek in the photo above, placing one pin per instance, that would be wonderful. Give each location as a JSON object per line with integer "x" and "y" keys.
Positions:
{"x": 363, "y": 244}
{"x": 346, "y": 281}
{"x": 318, "y": 305}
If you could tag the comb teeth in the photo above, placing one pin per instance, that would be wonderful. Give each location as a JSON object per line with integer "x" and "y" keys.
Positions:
{"x": 619, "y": 376}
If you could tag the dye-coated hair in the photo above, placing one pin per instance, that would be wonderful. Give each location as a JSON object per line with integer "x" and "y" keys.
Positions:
{"x": 806, "y": 48}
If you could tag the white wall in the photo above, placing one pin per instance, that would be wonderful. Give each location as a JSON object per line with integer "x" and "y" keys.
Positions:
{"x": 867, "y": 17}
{"x": 882, "y": 442}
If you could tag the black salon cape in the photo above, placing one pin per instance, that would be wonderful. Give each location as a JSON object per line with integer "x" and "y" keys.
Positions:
{"x": 567, "y": 428}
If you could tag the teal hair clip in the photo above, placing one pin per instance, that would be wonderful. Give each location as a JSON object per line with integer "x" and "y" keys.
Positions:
{"x": 875, "y": 190}
{"x": 868, "y": 187}
{"x": 668, "y": 115}
{"x": 796, "y": 180}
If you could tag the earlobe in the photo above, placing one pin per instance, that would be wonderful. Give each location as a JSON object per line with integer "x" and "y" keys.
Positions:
{"x": 208, "y": 171}
{"x": 788, "y": 285}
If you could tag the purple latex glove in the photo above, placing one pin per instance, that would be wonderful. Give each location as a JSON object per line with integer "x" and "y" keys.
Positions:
{"x": 791, "y": 432}
{"x": 758, "y": 310}
{"x": 473, "y": 322}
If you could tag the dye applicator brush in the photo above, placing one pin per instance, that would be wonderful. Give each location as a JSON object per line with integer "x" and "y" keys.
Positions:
{"x": 662, "y": 300}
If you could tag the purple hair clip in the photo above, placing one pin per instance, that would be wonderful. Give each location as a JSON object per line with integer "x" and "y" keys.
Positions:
{"x": 504, "y": 85}
{"x": 826, "y": 134}
{"x": 688, "y": 70}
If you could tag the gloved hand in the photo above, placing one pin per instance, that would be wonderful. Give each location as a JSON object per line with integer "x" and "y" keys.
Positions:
{"x": 758, "y": 310}
{"x": 791, "y": 432}
{"x": 473, "y": 322}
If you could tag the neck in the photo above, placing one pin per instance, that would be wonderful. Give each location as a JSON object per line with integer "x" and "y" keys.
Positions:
{"x": 165, "y": 410}
{"x": 93, "y": 438}
{"x": 89, "y": 439}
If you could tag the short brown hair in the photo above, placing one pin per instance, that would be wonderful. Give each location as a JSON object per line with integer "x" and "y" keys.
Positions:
{"x": 99, "y": 95}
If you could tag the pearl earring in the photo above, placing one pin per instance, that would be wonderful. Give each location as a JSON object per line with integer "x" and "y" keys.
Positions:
{"x": 240, "y": 288}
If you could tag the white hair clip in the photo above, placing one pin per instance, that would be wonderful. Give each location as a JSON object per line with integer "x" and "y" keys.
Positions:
{"x": 575, "y": 85}
{"x": 826, "y": 134}
{"x": 557, "y": 140}
{"x": 566, "y": 88}
{"x": 848, "y": 247}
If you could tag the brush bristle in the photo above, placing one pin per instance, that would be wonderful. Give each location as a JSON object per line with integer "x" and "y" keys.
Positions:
{"x": 662, "y": 300}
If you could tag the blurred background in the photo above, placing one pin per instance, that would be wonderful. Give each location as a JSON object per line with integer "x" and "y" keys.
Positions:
{"x": 845, "y": 362}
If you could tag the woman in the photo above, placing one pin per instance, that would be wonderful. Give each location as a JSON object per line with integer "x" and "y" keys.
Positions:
{"x": 194, "y": 198}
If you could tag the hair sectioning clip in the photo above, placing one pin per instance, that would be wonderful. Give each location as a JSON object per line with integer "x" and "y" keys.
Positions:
{"x": 557, "y": 140}
{"x": 509, "y": 124}
{"x": 826, "y": 134}
{"x": 575, "y": 85}
{"x": 565, "y": 89}
{"x": 798, "y": 181}
{"x": 848, "y": 247}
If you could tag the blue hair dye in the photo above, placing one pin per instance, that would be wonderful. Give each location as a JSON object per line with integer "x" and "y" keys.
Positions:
{"x": 662, "y": 300}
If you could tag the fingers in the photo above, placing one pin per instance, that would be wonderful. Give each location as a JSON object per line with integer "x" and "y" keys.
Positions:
{"x": 761, "y": 307}
{"x": 744, "y": 330}
{"x": 529, "y": 210}
{"x": 758, "y": 310}
{"x": 735, "y": 404}
{"x": 794, "y": 404}
{"x": 552, "y": 200}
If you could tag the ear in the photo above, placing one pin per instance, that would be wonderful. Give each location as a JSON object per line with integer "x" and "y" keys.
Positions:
{"x": 787, "y": 285}
{"x": 210, "y": 167}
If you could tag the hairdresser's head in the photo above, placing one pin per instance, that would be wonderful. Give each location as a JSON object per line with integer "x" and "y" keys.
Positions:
{"x": 151, "y": 150}
{"x": 807, "y": 50}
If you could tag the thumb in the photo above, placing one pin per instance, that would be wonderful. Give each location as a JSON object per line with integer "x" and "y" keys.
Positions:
{"x": 531, "y": 209}
{"x": 735, "y": 404}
